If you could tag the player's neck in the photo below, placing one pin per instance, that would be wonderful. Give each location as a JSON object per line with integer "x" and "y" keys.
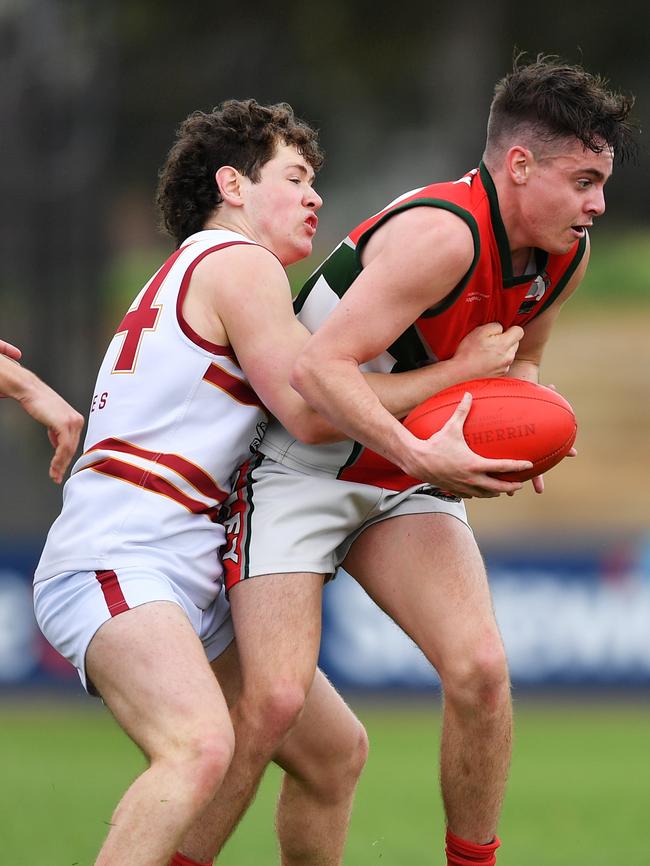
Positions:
{"x": 514, "y": 223}
{"x": 222, "y": 221}
{"x": 520, "y": 260}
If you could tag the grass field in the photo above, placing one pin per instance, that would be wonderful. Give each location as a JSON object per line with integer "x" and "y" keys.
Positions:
{"x": 579, "y": 791}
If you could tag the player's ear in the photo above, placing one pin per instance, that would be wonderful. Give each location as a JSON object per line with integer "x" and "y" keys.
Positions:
{"x": 228, "y": 179}
{"x": 518, "y": 163}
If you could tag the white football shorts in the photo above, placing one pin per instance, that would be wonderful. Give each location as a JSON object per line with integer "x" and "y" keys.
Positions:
{"x": 279, "y": 520}
{"x": 71, "y": 607}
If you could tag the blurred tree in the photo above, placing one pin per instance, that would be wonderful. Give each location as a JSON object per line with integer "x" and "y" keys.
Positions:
{"x": 57, "y": 101}
{"x": 57, "y": 105}
{"x": 91, "y": 93}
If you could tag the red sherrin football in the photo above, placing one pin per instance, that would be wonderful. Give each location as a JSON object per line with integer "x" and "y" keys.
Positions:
{"x": 509, "y": 418}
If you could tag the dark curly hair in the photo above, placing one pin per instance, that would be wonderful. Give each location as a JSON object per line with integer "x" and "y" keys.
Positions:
{"x": 242, "y": 134}
{"x": 547, "y": 100}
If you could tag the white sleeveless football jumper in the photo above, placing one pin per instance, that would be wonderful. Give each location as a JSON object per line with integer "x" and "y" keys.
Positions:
{"x": 171, "y": 418}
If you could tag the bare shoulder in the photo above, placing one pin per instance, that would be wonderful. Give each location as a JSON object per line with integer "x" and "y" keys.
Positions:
{"x": 432, "y": 232}
{"x": 227, "y": 280}
{"x": 236, "y": 265}
{"x": 426, "y": 250}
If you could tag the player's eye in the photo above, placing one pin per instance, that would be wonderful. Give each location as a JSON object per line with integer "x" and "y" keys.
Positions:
{"x": 584, "y": 184}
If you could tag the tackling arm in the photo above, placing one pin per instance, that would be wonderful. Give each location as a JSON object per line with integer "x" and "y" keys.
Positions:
{"x": 252, "y": 310}
{"x": 64, "y": 424}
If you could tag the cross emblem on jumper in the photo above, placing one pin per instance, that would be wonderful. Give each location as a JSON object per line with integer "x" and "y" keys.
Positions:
{"x": 143, "y": 318}
{"x": 134, "y": 324}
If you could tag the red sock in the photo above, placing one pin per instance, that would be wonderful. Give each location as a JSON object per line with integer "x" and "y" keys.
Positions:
{"x": 181, "y": 860}
{"x": 463, "y": 853}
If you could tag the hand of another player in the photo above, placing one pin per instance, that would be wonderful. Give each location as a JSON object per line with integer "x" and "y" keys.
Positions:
{"x": 64, "y": 424}
{"x": 10, "y": 351}
{"x": 446, "y": 461}
{"x": 487, "y": 351}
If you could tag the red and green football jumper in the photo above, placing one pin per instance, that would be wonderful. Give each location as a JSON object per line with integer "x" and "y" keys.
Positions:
{"x": 489, "y": 292}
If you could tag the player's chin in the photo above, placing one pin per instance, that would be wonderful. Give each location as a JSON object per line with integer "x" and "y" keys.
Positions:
{"x": 299, "y": 250}
{"x": 558, "y": 247}
{"x": 568, "y": 239}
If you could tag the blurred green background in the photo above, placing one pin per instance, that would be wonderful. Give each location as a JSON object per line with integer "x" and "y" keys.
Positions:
{"x": 91, "y": 94}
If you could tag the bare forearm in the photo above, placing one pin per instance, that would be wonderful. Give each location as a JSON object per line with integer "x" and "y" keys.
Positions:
{"x": 444, "y": 460}
{"x": 486, "y": 351}
{"x": 63, "y": 423}
{"x": 399, "y": 393}
{"x": 524, "y": 369}
{"x": 16, "y": 381}
{"x": 308, "y": 426}
{"x": 346, "y": 400}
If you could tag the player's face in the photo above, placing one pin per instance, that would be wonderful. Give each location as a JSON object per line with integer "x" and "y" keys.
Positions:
{"x": 564, "y": 194}
{"x": 281, "y": 206}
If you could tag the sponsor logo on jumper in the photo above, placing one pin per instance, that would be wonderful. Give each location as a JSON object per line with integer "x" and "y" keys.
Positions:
{"x": 501, "y": 434}
{"x": 538, "y": 288}
{"x": 476, "y": 296}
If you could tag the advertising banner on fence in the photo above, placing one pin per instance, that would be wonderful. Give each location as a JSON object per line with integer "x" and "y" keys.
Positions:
{"x": 568, "y": 617}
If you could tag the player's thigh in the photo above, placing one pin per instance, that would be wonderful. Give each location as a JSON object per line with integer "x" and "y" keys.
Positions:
{"x": 328, "y": 733}
{"x": 151, "y": 670}
{"x": 277, "y": 623}
{"x": 426, "y": 572}
{"x": 227, "y": 669}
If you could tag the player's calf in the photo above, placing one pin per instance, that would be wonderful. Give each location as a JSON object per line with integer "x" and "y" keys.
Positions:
{"x": 323, "y": 758}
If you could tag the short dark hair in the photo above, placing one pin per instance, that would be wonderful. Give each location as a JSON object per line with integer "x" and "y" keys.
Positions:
{"x": 550, "y": 100}
{"x": 240, "y": 133}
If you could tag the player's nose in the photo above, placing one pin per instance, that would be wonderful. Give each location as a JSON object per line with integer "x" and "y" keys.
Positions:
{"x": 313, "y": 200}
{"x": 596, "y": 204}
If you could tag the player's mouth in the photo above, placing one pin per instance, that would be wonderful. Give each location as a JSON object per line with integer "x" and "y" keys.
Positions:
{"x": 580, "y": 230}
{"x": 312, "y": 223}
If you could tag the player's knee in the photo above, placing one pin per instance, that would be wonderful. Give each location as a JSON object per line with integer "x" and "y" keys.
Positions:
{"x": 215, "y": 753}
{"x": 358, "y": 752}
{"x": 274, "y": 710}
{"x": 480, "y": 679}
{"x": 351, "y": 758}
{"x": 202, "y": 760}
{"x": 283, "y": 704}
{"x": 334, "y": 776}
{"x": 362, "y": 749}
